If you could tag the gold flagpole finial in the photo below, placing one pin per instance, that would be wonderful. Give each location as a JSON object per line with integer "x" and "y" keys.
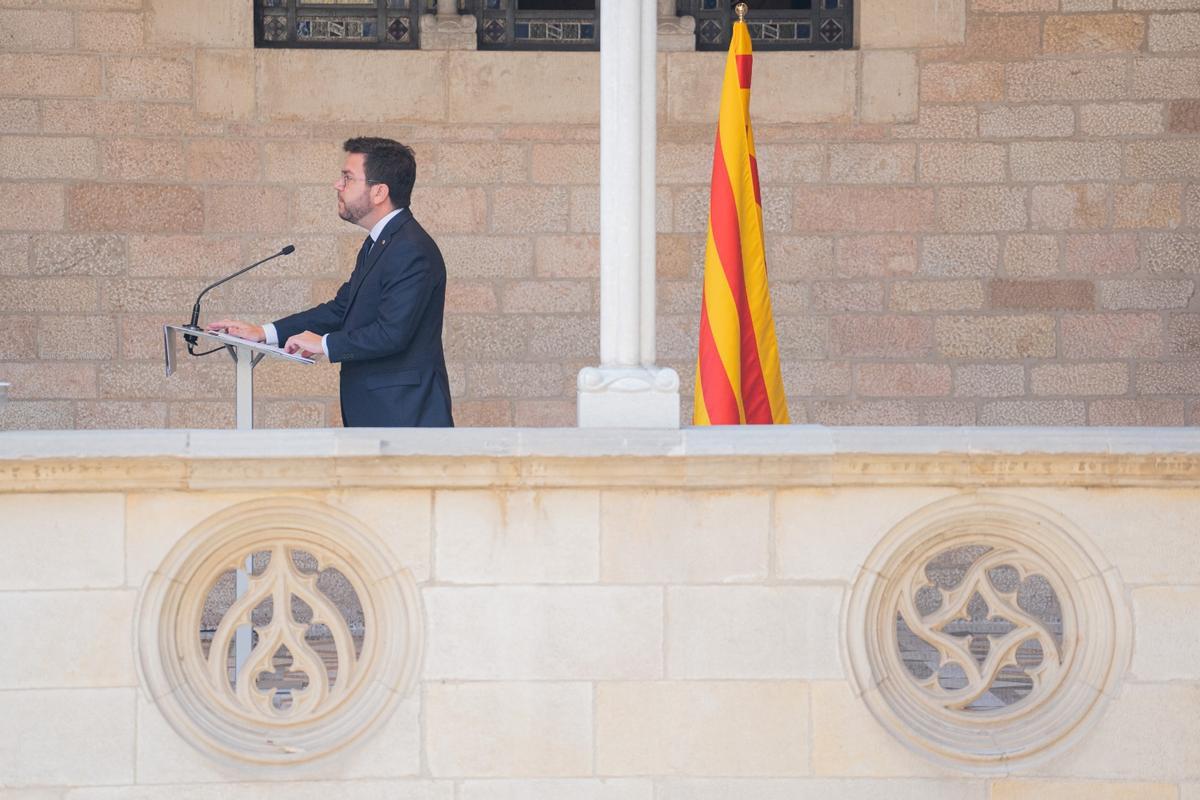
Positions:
{"x": 740, "y": 9}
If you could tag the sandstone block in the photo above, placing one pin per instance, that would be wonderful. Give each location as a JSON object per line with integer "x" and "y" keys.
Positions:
{"x": 951, "y": 162}
{"x": 872, "y": 163}
{"x": 941, "y": 122}
{"x": 1033, "y": 121}
{"x": 1016, "y": 789}
{"x": 59, "y": 339}
{"x": 529, "y": 210}
{"x": 115, "y": 414}
{"x": 579, "y": 257}
{"x": 1165, "y": 78}
{"x": 1148, "y": 205}
{"x": 490, "y": 163}
{"x": 1160, "y": 654}
{"x": 471, "y": 298}
{"x": 862, "y": 256}
{"x": 108, "y": 31}
{"x": 145, "y": 78}
{"x": 994, "y": 38}
{"x": 252, "y": 209}
{"x": 89, "y": 117}
{"x": 304, "y": 162}
{"x": 508, "y": 729}
{"x": 880, "y": 336}
{"x": 1163, "y": 160}
{"x": 889, "y": 86}
{"x": 1036, "y": 295}
{"x": 1184, "y": 334}
{"x": 453, "y": 209}
{"x": 1013, "y": 6}
{"x": 492, "y": 87}
{"x": 695, "y": 81}
{"x": 848, "y": 741}
{"x": 1150, "y": 411}
{"x": 44, "y": 75}
{"x": 948, "y": 413}
{"x": 18, "y": 116}
{"x": 863, "y": 209}
{"x": 22, "y": 415}
{"x": 864, "y": 412}
{"x": 148, "y": 160}
{"x": 225, "y": 83}
{"x": 982, "y": 208}
{"x": 820, "y": 379}
{"x": 779, "y": 163}
{"x": 926, "y": 23}
{"x": 483, "y": 537}
{"x": 753, "y": 632}
{"x": 96, "y": 748}
{"x": 1168, "y": 253}
{"x": 14, "y": 254}
{"x": 336, "y": 76}
{"x": 702, "y": 728}
{"x": 699, "y": 538}
{"x": 545, "y": 413}
{"x": 1112, "y": 336}
{"x": 547, "y": 297}
{"x": 940, "y": 295}
{"x": 989, "y": 380}
{"x": 1184, "y": 116}
{"x": 844, "y": 296}
{"x": 582, "y": 633}
{"x": 223, "y": 161}
{"x": 902, "y": 380}
{"x": 1033, "y": 412}
{"x": 180, "y": 256}
{"x": 1065, "y": 161}
{"x": 1070, "y": 206}
{"x": 1029, "y": 255}
{"x": 1145, "y": 294}
{"x": 551, "y": 789}
{"x": 1099, "y": 79}
{"x": 98, "y": 623}
{"x": 1094, "y": 33}
{"x": 1120, "y": 119}
{"x": 799, "y": 337}
{"x": 1174, "y": 32}
{"x": 674, "y": 163}
{"x": 959, "y": 256}
{"x": 17, "y": 198}
{"x": 59, "y": 158}
{"x": 1000, "y": 337}
{"x": 1153, "y": 721}
{"x": 948, "y": 82}
{"x": 29, "y": 29}
{"x": 49, "y": 295}
{"x": 225, "y": 23}
{"x": 135, "y": 208}
{"x": 1079, "y": 379}
{"x": 18, "y": 338}
{"x": 64, "y": 255}
{"x": 62, "y": 541}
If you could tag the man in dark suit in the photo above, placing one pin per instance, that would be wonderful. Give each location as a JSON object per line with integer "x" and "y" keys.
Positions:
{"x": 384, "y": 325}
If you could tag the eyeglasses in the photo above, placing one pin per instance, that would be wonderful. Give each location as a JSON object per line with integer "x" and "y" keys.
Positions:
{"x": 345, "y": 179}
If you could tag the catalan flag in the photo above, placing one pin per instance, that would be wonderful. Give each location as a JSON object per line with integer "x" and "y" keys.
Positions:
{"x": 737, "y": 372}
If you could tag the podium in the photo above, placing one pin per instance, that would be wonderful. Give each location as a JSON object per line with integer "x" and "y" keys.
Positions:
{"x": 245, "y": 354}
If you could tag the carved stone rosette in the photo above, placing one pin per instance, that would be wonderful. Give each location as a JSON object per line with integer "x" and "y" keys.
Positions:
{"x": 986, "y": 631}
{"x": 333, "y": 688}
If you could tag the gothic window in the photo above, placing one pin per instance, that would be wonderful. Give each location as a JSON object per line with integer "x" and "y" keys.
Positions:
{"x": 536, "y": 24}
{"x": 374, "y": 24}
{"x": 775, "y": 24}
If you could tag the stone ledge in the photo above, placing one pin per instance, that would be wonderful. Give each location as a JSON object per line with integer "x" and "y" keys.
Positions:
{"x": 797, "y": 455}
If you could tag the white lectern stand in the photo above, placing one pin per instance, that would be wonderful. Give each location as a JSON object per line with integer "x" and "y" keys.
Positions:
{"x": 246, "y": 355}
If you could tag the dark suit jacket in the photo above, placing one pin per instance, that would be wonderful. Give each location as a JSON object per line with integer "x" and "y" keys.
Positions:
{"x": 385, "y": 328}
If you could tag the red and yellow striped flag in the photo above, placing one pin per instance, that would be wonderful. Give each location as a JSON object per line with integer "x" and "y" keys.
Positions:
{"x": 737, "y": 372}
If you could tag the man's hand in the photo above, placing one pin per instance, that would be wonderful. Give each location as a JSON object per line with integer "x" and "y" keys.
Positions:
{"x": 242, "y": 330}
{"x": 307, "y": 344}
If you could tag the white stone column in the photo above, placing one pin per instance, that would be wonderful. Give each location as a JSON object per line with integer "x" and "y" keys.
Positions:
{"x": 448, "y": 30}
{"x": 627, "y": 390}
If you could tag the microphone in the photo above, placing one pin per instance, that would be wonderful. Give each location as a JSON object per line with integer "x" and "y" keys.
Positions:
{"x": 193, "y": 325}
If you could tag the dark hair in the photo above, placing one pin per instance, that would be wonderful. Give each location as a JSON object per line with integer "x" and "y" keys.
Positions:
{"x": 387, "y": 162}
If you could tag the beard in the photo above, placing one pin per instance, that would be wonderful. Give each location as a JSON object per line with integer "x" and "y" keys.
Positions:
{"x": 352, "y": 211}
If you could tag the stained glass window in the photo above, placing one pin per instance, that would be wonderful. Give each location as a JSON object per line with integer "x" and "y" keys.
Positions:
{"x": 775, "y": 24}
{"x": 339, "y": 23}
{"x": 536, "y": 24}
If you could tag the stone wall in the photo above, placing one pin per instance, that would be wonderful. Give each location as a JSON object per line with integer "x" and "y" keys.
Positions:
{"x": 601, "y": 616}
{"x": 985, "y": 215}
